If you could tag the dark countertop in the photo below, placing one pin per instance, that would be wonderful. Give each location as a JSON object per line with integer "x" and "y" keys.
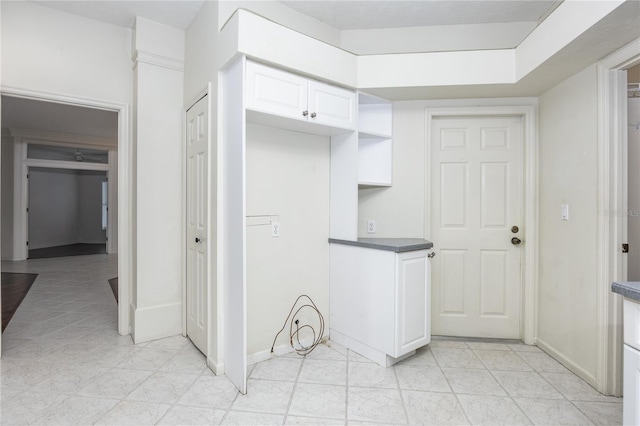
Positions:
{"x": 398, "y": 245}
{"x": 630, "y": 289}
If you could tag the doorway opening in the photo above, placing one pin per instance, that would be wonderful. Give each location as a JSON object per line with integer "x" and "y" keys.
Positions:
{"x": 67, "y": 212}
{"x": 70, "y": 125}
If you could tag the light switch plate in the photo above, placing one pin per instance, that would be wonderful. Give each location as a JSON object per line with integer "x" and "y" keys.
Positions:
{"x": 275, "y": 229}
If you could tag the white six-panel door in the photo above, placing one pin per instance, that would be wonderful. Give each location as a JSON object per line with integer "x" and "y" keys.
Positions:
{"x": 197, "y": 211}
{"x": 476, "y": 199}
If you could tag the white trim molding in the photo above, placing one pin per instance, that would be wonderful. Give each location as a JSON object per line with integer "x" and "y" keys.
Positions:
{"x": 529, "y": 114}
{"x": 157, "y": 60}
{"x": 64, "y": 139}
{"x": 612, "y": 197}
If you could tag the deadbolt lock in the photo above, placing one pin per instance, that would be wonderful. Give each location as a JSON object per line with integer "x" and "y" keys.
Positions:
{"x": 515, "y": 229}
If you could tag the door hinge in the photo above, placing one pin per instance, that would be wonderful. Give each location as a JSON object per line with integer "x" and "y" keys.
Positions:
{"x": 27, "y": 242}
{"x": 27, "y": 209}
{"x": 625, "y": 248}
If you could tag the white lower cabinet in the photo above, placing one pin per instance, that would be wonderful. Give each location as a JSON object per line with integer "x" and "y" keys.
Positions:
{"x": 380, "y": 301}
{"x": 631, "y": 362}
{"x": 631, "y": 391}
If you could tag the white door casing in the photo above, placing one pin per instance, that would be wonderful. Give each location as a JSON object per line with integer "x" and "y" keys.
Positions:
{"x": 197, "y": 218}
{"x": 476, "y": 191}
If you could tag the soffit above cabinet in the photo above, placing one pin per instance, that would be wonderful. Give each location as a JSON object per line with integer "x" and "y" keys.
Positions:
{"x": 566, "y": 42}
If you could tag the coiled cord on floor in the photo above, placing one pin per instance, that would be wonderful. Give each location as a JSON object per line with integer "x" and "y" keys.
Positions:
{"x": 317, "y": 338}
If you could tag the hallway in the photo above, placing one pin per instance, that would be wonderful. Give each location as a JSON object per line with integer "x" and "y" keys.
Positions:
{"x": 64, "y": 363}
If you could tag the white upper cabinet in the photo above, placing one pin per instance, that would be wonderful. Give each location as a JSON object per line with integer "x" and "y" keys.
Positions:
{"x": 332, "y": 106}
{"x": 276, "y": 92}
{"x": 283, "y": 94}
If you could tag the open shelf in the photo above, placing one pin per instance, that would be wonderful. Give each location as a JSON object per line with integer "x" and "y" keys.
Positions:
{"x": 375, "y": 143}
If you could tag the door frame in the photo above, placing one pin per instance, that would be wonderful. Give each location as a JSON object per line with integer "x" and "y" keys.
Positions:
{"x": 612, "y": 208}
{"x": 214, "y": 290}
{"x": 125, "y": 197}
{"x": 528, "y": 113}
{"x": 21, "y": 140}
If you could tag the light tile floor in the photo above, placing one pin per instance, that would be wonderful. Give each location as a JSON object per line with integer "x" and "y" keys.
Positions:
{"x": 63, "y": 363}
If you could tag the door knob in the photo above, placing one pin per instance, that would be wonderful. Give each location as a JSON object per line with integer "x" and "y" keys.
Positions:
{"x": 305, "y": 113}
{"x": 198, "y": 240}
{"x": 313, "y": 115}
{"x": 515, "y": 241}
{"x": 431, "y": 255}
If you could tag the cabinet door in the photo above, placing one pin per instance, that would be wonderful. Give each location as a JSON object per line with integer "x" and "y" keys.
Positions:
{"x": 276, "y": 92}
{"x": 631, "y": 391}
{"x": 332, "y": 106}
{"x": 413, "y": 301}
{"x": 631, "y": 327}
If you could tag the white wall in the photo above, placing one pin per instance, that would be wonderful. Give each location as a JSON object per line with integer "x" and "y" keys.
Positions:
{"x": 200, "y": 57}
{"x": 634, "y": 189}
{"x": 6, "y": 214}
{"x": 53, "y": 207}
{"x": 287, "y": 177}
{"x": 46, "y": 50}
{"x": 567, "y": 311}
{"x": 65, "y": 207}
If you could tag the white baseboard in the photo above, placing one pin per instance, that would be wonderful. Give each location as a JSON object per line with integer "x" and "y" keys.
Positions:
{"x": 277, "y": 351}
{"x": 216, "y": 367}
{"x": 157, "y": 322}
{"x": 573, "y": 367}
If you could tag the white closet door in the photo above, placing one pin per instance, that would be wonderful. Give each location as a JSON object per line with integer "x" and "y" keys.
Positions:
{"x": 197, "y": 219}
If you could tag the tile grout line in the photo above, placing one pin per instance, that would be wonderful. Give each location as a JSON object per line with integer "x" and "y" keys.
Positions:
{"x": 404, "y": 405}
{"x": 293, "y": 390}
{"x": 346, "y": 393}
{"x": 507, "y": 392}
{"x": 466, "y": 416}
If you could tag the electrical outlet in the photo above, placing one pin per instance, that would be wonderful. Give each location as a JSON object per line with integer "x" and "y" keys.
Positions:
{"x": 371, "y": 226}
{"x": 275, "y": 229}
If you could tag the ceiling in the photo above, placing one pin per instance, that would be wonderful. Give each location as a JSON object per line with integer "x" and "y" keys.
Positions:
{"x": 353, "y": 15}
{"x": 340, "y": 14}
{"x": 174, "y": 13}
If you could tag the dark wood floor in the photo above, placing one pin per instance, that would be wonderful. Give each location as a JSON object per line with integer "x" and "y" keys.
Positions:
{"x": 113, "y": 283}
{"x": 68, "y": 250}
{"x": 14, "y": 288}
